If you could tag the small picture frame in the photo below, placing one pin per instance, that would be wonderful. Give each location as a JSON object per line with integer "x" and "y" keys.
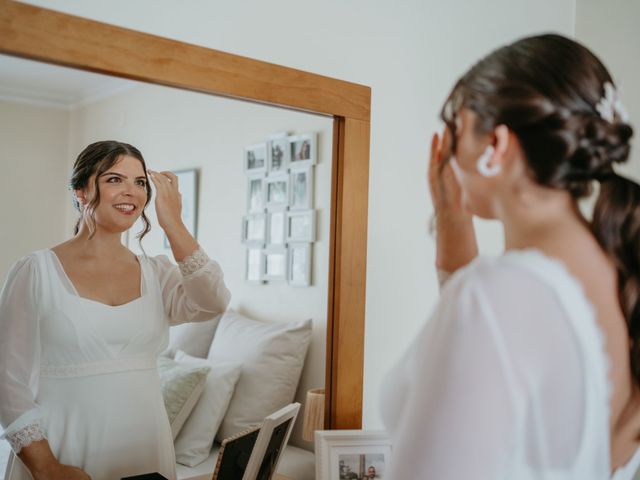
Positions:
{"x": 301, "y": 188}
{"x": 301, "y": 226}
{"x": 255, "y": 158}
{"x": 255, "y": 192}
{"x": 342, "y": 454}
{"x": 254, "y": 272}
{"x": 300, "y": 264}
{"x": 275, "y": 260}
{"x": 276, "y": 191}
{"x": 254, "y": 227}
{"x": 279, "y": 154}
{"x": 303, "y": 150}
{"x": 276, "y": 227}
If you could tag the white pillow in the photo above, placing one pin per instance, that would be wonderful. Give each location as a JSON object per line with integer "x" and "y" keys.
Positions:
{"x": 194, "y": 441}
{"x": 272, "y": 356}
{"x": 193, "y": 338}
{"x": 181, "y": 388}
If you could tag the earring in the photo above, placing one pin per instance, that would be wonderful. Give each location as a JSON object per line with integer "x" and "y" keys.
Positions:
{"x": 483, "y": 166}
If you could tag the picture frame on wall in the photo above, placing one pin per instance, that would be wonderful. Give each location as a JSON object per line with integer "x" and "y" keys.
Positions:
{"x": 255, "y": 192}
{"x": 255, "y": 265}
{"x": 255, "y": 158}
{"x": 303, "y": 149}
{"x": 276, "y": 227}
{"x": 254, "y": 229}
{"x": 300, "y": 264}
{"x": 188, "y": 185}
{"x": 276, "y": 191}
{"x": 301, "y": 188}
{"x": 301, "y": 226}
{"x": 279, "y": 154}
{"x": 342, "y": 454}
{"x": 275, "y": 260}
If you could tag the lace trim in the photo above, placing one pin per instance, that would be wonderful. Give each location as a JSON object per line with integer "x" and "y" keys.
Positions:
{"x": 193, "y": 262}
{"x": 23, "y": 437}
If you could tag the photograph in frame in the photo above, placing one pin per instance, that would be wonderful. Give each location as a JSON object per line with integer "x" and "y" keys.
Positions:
{"x": 276, "y": 227}
{"x": 275, "y": 263}
{"x": 300, "y": 264}
{"x": 255, "y": 265}
{"x": 277, "y": 191}
{"x": 301, "y": 226}
{"x": 279, "y": 154}
{"x": 255, "y": 193}
{"x": 254, "y": 229}
{"x": 352, "y": 454}
{"x": 301, "y": 188}
{"x": 303, "y": 150}
{"x": 255, "y": 158}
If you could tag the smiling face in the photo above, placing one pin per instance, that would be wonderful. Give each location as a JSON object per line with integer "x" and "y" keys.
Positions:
{"x": 123, "y": 195}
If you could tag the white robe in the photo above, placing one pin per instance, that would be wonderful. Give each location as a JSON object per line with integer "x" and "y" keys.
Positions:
{"x": 508, "y": 380}
{"x": 86, "y": 371}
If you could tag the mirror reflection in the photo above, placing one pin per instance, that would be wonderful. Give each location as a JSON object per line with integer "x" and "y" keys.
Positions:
{"x": 255, "y": 185}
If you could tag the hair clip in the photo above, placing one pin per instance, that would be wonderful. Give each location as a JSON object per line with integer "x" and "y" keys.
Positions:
{"x": 610, "y": 105}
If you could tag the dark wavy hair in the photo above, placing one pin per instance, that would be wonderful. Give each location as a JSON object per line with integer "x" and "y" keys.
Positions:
{"x": 546, "y": 90}
{"x": 96, "y": 159}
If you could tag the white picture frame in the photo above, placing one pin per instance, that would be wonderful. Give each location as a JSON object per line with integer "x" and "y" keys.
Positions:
{"x": 279, "y": 153}
{"x": 300, "y": 258}
{"x": 303, "y": 149}
{"x": 254, "y": 229}
{"x": 301, "y": 188}
{"x": 338, "y": 451}
{"x": 255, "y": 158}
{"x": 275, "y": 264}
{"x": 255, "y": 264}
{"x": 276, "y": 188}
{"x": 273, "y": 437}
{"x": 301, "y": 226}
{"x": 255, "y": 192}
{"x": 276, "y": 227}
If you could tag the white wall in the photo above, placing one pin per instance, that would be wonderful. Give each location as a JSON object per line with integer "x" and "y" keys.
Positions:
{"x": 611, "y": 30}
{"x": 33, "y": 156}
{"x": 176, "y": 130}
{"x": 409, "y": 52}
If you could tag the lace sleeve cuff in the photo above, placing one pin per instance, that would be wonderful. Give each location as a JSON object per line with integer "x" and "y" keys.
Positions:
{"x": 193, "y": 262}
{"x": 26, "y": 435}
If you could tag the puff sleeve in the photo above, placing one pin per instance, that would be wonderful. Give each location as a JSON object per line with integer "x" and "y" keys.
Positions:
{"x": 194, "y": 290}
{"x": 20, "y": 355}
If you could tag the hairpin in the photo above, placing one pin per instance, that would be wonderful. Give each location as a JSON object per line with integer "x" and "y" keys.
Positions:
{"x": 610, "y": 105}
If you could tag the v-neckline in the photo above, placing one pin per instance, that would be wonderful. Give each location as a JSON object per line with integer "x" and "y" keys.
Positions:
{"x": 75, "y": 293}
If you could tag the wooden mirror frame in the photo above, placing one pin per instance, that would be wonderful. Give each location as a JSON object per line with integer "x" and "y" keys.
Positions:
{"x": 48, "y": 36}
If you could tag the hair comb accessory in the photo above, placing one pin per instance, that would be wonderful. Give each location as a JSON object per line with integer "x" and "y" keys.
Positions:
{"x": 611, "y": 105}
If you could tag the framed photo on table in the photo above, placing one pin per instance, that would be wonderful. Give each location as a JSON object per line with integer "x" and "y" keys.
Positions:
{"x": 346, "y": 454}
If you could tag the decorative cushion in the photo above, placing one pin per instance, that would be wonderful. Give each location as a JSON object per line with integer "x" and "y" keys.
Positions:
{"x": 193, "y": 338}
{"x": 195, "y": 439}
{"x": 182, "y": 386}
{"x": 272, "y": 356}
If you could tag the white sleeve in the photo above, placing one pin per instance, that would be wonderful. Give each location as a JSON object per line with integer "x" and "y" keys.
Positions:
{"x": 459, "y": 417}
{"x": 20, "y": 356}
{"x": 194, "y": 290}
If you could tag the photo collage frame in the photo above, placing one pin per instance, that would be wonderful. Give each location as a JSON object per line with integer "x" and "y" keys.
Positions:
{"x": 279, "y": 226}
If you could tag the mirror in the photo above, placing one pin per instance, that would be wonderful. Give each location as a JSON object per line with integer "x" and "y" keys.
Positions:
{"x": 56, "y": 38}
{"x": 50, "y": 113}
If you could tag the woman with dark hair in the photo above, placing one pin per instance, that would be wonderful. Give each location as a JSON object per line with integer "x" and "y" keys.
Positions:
{"x": 530, "y": 365}
{"x": 82, "y": 324}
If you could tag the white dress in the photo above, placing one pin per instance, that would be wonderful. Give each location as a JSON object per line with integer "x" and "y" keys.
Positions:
{"x": 84, "y": 372}
{"x": 508, "y": 380}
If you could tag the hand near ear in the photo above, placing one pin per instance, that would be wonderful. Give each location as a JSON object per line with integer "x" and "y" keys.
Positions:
{"x": 456, "y": 242}
{"x": 168, "y": 199}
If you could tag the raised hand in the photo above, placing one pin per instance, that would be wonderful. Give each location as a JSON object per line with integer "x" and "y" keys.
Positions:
{"x": 168, "y": 199}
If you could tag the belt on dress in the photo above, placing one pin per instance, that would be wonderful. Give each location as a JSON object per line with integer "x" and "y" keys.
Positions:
{"x": 97, "y": 368}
